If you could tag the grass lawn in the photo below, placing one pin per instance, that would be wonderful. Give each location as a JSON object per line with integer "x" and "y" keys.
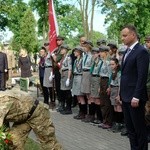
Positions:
{"x": 31, "y": 145}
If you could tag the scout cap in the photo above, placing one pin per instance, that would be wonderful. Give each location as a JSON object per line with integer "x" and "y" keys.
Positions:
{"x": 101, "y": 41}
{"x": 122, "y": 49}
{"x": 112, "y": 45}
{"x": 59, "y": 37}
{"x": 88, "y": 42}
{"x": 104, "y": 48}
{"x": 147, "y": 38}
{"x": 65, "y": 47}
{"x": 78, "y": 48}
{"x": 95, "y": 49}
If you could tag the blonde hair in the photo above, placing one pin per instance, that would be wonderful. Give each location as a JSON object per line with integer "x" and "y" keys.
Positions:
{"x": 23, "y": 52}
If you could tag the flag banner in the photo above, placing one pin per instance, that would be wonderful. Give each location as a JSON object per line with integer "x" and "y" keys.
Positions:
{"x": 53, "y": 27}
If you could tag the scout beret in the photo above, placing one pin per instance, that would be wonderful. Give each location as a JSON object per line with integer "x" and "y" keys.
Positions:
{"x": 104, "y": 48}
{"x": 95, "y": 49}
{"x": 101, "y": 41}
{"x": 147, "y": 38}
{"x": 88, "y": 42}
{"x": 65, "y": 47}
{"x": 59, "y": 37}
{"x": 79, "y": 48}
{"x": 112, "y": 45}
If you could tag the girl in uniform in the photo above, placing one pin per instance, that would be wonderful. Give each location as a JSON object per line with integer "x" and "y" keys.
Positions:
{"x": 48, "y": 80}
{"x": 95, "y": 86}
{"x": 114, "y": 94}
{"x": 76, "y": 87}
{"x": 66, "y": 79}
{"x": 107, "y": 110}
{"x": 86, "y": 78}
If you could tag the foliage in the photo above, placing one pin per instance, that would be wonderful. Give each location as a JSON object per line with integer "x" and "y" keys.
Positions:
{"x": 122, "y": 12}
{"x": 5, "y": 139}
{"x": 28, "y": 37}
{"x": 41, "y": 7}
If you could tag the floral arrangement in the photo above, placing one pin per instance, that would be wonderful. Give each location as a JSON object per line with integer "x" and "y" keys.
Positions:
{"x": 5, "y": 139}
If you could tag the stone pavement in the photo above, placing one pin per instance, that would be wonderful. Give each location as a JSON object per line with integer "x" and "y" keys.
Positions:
{"x": 76, "y": 135}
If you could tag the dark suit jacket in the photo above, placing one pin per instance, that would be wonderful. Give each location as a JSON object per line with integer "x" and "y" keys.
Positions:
{"x": 134, "y": 75}
{"x": 3, "y": 62}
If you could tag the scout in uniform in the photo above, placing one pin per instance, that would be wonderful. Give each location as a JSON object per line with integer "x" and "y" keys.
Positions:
{"x": 95, "y": 86}
{"x": 76, "y": 87}
{"x": 114, "y": 94}
{"x": 104, "y": 96}
{"x": 113, "y": 50}
{"x": 86, "y": 76}
{"x": 66, "y": 79}
{"x": 56, "y": 59}
{"x": 48, "y": 79}
{"x": 26, "y": 115}
{"x": 121, "y": 50}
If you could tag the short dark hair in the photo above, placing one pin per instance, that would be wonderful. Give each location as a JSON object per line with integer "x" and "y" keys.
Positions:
{"x": 43, "y": 48}
{"x": 131, "y": 28}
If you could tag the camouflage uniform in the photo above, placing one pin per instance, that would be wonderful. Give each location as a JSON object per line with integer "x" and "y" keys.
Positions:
{"x": 15, "y": 109}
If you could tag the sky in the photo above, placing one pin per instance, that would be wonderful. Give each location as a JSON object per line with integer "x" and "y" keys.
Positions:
{"x": 98, "y": 24}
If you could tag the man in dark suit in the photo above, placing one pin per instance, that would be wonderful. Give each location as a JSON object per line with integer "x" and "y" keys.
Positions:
{"x": 3, "y": 70}
{"x": 133, "y": 91}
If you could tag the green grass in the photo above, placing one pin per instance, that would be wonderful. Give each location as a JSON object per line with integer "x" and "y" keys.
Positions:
{"x": 31, "y": 145}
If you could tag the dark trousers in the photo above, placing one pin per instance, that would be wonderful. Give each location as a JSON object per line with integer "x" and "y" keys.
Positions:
{"x": 135, "y": 123}
{"x": 67, "y": 98}
{"x": 47, "y": 92}
{"x": 106, "y": 107}
{"x": 57, "y": 85}
{"x": 2, "y": 81}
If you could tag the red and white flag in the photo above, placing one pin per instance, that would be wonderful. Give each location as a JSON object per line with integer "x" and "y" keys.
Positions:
{"x": 53, "y": 27}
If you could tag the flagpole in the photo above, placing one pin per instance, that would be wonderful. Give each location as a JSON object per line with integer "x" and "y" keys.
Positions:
{"x": 53, "y": 32}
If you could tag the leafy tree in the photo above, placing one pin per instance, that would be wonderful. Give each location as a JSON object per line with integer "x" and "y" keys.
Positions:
{"x": 41, "y": 7}
{"x": 122, "y": 12}
{"x": 28, "y": 36}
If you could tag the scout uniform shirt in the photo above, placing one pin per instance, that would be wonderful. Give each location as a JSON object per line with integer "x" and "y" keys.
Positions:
{"x": 87, "y": 61}
{"x": 66, "y": 65}
{"x": 105, "y": 69}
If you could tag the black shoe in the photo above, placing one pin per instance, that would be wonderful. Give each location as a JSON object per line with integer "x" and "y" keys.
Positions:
{"x": 118, "y": 128}
{"x": 88, "y": 119}
{"x": 79, "y": 116}
{"x": 124, "y": 132}
{"x": 96, "y": 122}
{"x": 66, "y": 112}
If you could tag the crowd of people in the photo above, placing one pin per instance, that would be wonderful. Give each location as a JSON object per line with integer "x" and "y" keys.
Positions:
{"x": 110, "y": 83}
{"x": 92, "y": 75}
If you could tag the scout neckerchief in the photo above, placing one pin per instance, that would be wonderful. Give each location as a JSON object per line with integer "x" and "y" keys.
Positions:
{"x": 92, "y": 68}
{"x": 110, "y": 79}
{"x": 77, "y": 65}
{"x": 85, "y": 59}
